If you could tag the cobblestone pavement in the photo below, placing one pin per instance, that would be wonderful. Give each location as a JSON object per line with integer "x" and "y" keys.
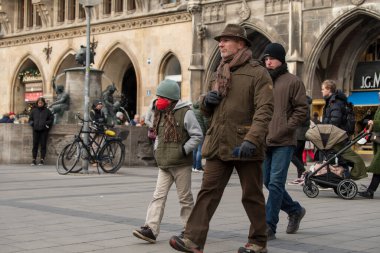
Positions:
{"x": 41, "y": 211}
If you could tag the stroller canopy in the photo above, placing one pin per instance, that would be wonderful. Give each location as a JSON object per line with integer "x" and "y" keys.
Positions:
{"x": 325, "y": 136}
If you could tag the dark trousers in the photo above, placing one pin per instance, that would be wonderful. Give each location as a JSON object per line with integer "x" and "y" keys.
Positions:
{"x": 215, "y": 178}
{"x": 297, "y": 157}
{"x": 374, "y": 183}
{"x": 39, "y": 139}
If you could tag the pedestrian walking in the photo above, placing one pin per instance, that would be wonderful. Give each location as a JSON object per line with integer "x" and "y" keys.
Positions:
{"x": 297, "y": 158}
{"x": 203, "y": 122}
{"x": 41, "y": 119}
{"x": 290, "y": 111}
{"x": 178, "y": 133}
{"x": 240, "y": 105}
{"x": 334, "y": 113}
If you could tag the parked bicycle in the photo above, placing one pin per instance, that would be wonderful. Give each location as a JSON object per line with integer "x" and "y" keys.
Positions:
{"x": 104, "y": 149}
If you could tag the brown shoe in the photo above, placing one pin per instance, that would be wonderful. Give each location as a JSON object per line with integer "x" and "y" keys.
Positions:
{"x": 184, "y": 245}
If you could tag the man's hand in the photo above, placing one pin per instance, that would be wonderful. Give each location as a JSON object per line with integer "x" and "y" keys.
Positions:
{"x": 247, "y": 149}
{"x": 212, "y": 98}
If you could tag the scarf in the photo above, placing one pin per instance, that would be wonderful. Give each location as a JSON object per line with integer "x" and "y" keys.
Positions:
{"x": 223, "y": 81}
{"x": 170, "y": 129}
{"x": 275, "y": 73}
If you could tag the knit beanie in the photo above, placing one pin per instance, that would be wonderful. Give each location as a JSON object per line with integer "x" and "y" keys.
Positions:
{"x": 275, "y": 50}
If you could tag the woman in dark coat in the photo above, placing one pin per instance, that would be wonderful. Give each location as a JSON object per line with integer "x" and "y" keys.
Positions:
{"x": 375, "y": 164}
{"x": 41, "y": 119}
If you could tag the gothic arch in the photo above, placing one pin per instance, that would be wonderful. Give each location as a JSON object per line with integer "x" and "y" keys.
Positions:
{"x": 257, "y": 30}
{"x": 163, "y": 64}
{"x": 17, "y": 89}
{"x": 339, "y": 27}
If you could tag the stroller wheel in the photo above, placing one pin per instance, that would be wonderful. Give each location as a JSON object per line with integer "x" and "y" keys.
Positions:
{"x": 311, "y": 190}
{"x": 347, "y": 189}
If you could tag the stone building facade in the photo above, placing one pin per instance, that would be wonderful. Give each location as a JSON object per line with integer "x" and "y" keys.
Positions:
{"x": 140, "y": 42}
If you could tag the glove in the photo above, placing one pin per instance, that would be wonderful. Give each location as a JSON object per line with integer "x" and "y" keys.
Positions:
{"x": 247, "y": 149}
{"x": 212, "y": 98}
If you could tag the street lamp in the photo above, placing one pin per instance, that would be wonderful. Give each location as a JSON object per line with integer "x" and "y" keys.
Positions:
{"x": 88, "y": 4}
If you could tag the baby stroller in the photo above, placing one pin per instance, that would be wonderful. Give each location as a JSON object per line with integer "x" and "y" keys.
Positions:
{"x": 332, "y": 171}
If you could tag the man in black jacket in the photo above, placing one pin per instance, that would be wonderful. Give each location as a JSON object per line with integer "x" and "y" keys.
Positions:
{"x": 41, "y": 119}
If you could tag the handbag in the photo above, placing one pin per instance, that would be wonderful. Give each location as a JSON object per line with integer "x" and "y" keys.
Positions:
{"x": 375, "y": 137}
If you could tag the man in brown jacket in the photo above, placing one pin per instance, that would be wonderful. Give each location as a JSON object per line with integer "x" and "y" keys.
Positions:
{"x": 240, "y": 106}
{"x": 290, "y": 109}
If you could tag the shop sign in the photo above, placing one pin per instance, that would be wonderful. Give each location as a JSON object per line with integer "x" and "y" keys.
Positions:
{"x": 33, "y": 87}
{"x": 32, "y": 96}
{"x": 367, "y": 76}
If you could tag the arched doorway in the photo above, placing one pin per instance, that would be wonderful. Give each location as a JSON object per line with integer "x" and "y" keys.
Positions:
{"x": 28, "y": 87}
{"x": 129, "y": 91}
{"x": 258, "y": 42}
{"x": 119, "y": 69}
{"x": 338, "y": 54}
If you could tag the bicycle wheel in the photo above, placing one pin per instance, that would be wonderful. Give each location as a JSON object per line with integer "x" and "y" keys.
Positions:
{"x": 111, "y": 156}
{"x": 70, "y": 158}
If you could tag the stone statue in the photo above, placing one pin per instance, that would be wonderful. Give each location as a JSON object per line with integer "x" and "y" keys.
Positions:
{"x": 110, "y": 107}
{"x": 61, "y": 104}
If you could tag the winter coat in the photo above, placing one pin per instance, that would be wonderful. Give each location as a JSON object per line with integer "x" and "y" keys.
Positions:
{"x": 302, "y": 129}
{"x": 375, "y": 164}
{"x": 334, "y": 110}
{"x": 290, "y": 110}
{"x": 41, "y": 118}
{"x": 170, "y": 154}
{"x": 244, "y": 114}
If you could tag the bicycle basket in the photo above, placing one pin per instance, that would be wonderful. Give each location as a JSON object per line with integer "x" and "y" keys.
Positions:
{"x": 123, "y": 135}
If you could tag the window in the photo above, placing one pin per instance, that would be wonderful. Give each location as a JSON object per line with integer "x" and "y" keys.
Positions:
{"x": 131, "y": 5}
{"x": 107, "y": 7}
{"x": 29, "y": 14}
{"x": 61, "y": 11}
{"x": 20, "y": 12}
{"x": 172, "y": 69}
{"x": 71, "y": 9}
{"x": 119, "y": 5}
{"x": 372, "y": 53}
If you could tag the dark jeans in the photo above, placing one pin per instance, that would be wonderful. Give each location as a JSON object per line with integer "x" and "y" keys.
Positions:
{"x": 39, "y": 138}
{"x": 197, "y": 157}
{"x": 297, "y": 157}
{"x": 374, "y": 183}
{"x": 276, "y": 167}
{"x": 215, "y": 178}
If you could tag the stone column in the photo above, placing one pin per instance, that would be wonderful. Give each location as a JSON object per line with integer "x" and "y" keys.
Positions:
{"x": 196, "y": 65}
{"x": 295, "y": 60}
{"x": 75, "y": 88}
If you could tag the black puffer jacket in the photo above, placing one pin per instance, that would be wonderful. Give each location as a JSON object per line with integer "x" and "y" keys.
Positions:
{"x": 335, "y": 109}
{"x": 41, "y": 118}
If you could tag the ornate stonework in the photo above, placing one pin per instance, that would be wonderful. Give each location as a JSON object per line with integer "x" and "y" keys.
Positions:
{"x": 43, "y": 12}
{"x": 116, "y": 26}
{"x": 244, "y": 11}
{"x": 214, "y": 13}
{"x": 357, "y": 2}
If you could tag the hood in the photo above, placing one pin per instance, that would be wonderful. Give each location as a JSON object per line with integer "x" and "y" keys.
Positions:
{"x": 180, "y": 104}
{"x": 339, "y": 95}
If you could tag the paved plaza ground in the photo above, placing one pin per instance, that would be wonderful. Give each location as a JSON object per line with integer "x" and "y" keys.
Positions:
{"x": 42, "y": 211}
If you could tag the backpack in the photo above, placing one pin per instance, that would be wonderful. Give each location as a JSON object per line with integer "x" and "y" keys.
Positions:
{"x": 349, "y": 118}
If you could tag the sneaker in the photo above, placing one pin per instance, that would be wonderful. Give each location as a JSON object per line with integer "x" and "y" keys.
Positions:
{"x": 184, "y": 245}
{"x": 252, "y": 248}
{"x": 270, "y": 234}
{"x": 41, "y": 162}
{"x": 145, "y": 233}
{"x": 34, "y": 163}
{"x": 294, "y": 221}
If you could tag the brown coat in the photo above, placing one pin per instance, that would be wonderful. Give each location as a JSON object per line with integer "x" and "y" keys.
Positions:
{"x": 290, "y": 110}
{"x": 244, "y": 114}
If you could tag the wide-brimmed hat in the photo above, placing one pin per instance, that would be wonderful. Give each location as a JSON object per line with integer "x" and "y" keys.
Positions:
{"x": 236, "y": 31}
